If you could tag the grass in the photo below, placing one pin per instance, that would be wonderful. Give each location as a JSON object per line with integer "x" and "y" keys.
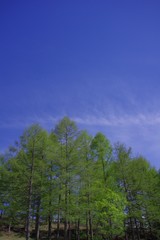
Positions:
{"x": 10, "y": 236}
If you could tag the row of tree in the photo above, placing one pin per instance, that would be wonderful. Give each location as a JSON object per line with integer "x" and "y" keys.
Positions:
{"x": 86, "y": 187}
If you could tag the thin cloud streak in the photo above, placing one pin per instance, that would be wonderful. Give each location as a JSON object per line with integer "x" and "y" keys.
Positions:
{"x": 90, "y": 120}
{"x": 141, "y": 131}
{"x": 125, "y": 120}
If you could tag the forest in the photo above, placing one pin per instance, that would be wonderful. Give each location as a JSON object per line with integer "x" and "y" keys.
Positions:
{"x": 67, "y": 184}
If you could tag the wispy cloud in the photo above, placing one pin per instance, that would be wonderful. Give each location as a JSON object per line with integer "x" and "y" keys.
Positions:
{"x": 140, "y": 131}
{"x": 90, "y": 120}
{"x": 125, "y": 120}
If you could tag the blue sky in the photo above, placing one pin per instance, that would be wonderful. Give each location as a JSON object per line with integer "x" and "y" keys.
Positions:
{"x": 97, "y": 62}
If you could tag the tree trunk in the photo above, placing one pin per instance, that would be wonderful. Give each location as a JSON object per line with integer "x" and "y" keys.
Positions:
{"x": 29, "y": 199}
{"x": 78, "y": 229}
{"x": 137, "y": 229}
{"x": 150, "y": 228}
{"x": 49, "y": 227}
{"x": 37, "y": 224}
{"x": 110, "y": 224}
{"x": 9, "y": 227}
{"x": 126, "y": 233}
{"x": 66, "y": 229}
{"x": 87, "y": 227}
{"x": 131, "y": 228}
{"x": 29, "y": 210}
{"x": 66, "y": 211}
{"x": 90, "y": 226}
{"x": 58, "y": 226}
{"x": 58, "y": 223}
{"x": 69, "y": 231}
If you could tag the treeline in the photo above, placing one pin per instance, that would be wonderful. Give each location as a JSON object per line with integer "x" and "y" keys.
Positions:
{"x": 84, "y": 186}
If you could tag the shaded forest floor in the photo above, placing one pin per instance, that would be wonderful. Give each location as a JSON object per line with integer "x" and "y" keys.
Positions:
{"x": 11, "y": 236}
{"x": 18, "y": 232}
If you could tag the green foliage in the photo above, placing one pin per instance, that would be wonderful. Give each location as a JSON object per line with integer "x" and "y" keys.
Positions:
{"x": 81, "y": 179}
{"x": 110, "y": 213}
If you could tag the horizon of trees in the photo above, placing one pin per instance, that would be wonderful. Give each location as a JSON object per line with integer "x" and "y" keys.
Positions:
{"x": 88, "y": 188}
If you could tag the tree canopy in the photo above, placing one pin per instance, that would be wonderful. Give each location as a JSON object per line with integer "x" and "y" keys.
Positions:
{"x": 78, "y": 185}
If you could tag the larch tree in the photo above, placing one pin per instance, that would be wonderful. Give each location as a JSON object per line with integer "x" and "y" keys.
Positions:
{"x": 67, "y": 134}
{"x": 31, "y": 157}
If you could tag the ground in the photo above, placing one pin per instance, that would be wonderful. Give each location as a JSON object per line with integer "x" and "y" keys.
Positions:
{"x": 10, "y": 236}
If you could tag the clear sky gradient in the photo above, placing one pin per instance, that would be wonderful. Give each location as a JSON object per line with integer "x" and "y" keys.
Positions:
{"x": 97, "y": 62}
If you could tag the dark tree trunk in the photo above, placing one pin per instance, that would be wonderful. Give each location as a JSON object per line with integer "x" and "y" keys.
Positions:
{"x": 137, "y": 229}
{"x": 126, "y": 233}
{"x": 58, "y": 220}
{"x": 66, "y": 210}
{"x": 37, "y": 224}
{"x": 150, "y": 228}
{"x": 66, "y": 229}
{"x": 131, "y": 229}
{"x": 69, "y": 231}
{"x": 58, "y": 225}
{"x": 142, "y": 231}
{"x": 29, "y": 210}
{"x": 49, "y": 227}
{"x": 77, "y": 232}
{"x": 110, "y": 224}
{"x": 29, "y": 198}
{"x": 87, "y": 227}
{"x": 90, "y": 226}
{"x": 9, "y": 227}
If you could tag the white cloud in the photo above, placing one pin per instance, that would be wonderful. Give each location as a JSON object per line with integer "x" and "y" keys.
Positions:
{"x": 90, "y": 120}
{"x": 125, "y": 120}
{"x": 140, "y": 131}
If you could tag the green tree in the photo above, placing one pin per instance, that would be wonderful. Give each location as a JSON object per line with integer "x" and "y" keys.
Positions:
{"x": 30, "y": 158}
{"x": 102, "y": 153}
{"x": 67, "y": 134}
{"x": 137, "y": 180}
{"x": 109, "y": 202}
{"x": 51, "y": 193}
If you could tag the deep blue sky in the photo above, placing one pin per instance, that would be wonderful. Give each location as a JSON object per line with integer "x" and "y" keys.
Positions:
{"x": 96, "y": 61}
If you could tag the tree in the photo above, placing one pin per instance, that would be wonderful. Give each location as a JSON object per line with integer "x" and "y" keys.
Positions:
{"x": 138, "y": 181}
{"x": 67, "y": 134}
{"x": 30, "y": 157}
{"x": 109, "y": 202}
{"x": 85, "y": 185}
{"x": 80, "y": 180}
{"x": 50, "y": 200}
{"x": 102, "y": 153}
